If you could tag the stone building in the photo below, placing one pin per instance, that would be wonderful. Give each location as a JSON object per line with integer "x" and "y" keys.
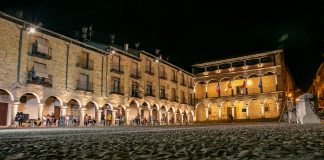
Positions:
{"x": 43, "y": 72}
{"x": 317, "y": 87}
{"x": 247, "y": 87}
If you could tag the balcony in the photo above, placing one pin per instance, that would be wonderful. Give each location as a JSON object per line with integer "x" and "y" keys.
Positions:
{"x": 84, "y": 86}
{"x": 46, "y": 82}
{"x": 183, "y": 101}
{"x": 164, "y": 97}
{"x": 183, "y": 84}
{"x": 118, "y": 70}
{"x": 150, "y": 94}
{"x": 135, "y": 76}
{"x": 163, "y": 76}
{"x": 174, "y": 99}
{"x": 117, "y": 90}
{"x": 174, "y": 80}
{"x": 150, "y": 72}
{"x": 44, "y": 55}
{"x": 191, "y": 87}
{"x": 84, "y": 63}
{"x": 135, "y": 94}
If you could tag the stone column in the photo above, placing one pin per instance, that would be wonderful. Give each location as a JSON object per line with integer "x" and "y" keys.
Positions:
{"x": 140, "y": 115}
{"x": 277, "y": 108}
{"x": 219, "y": 113}
{"x": 159, "y": 112}
{"x": 151, "y": 116}
{"x": 127, "y": 117}
{"x": 207, "y": 116}
{"x": 247, "y": 111}
{"x": 40, "y": 110}
{"x": 14, "y": 112}
{"x": 82, "y": 112}
{"x": 181, "y": 118}
{"x": 168, "y": 117}
{"x": 188, "y": 118}
{"x": 99, "y": 112}
{"x": 63, "y": 110}
{"x": 175, "y": 118}
{"x": 262, "y": 110}
{"x": 233, "y": 112}
{"x": 113, "y": 117}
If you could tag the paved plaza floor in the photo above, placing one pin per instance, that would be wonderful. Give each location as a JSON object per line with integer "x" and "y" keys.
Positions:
{"x": 221, "y": 141}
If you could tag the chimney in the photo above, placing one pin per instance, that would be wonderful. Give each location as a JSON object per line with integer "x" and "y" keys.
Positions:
{"x": 126, "y": 47}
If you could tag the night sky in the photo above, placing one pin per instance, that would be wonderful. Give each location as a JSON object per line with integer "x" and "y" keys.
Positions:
{"x": 191, "y": 31}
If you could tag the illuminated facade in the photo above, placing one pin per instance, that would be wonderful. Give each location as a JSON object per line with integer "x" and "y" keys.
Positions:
{"x": 317, "y": 87}
{"x": 248, "y": 87}
{"x": 43, "y": 72}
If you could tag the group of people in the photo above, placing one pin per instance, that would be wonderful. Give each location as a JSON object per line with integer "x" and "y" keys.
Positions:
{"x": 49, "y": 120}
{"x": 88, "y": 121}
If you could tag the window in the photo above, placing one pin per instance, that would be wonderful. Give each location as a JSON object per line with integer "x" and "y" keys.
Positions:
{"x": 182, "y": 79}
{"x": 190, "y": 82}
{"x": 135, "y": 92}
{"x": 116, "y": 85}
{"x": 174, "y": 98}
{"x": 149, "y": 89}
{"x": 134, "y": 69}
{"x": 40, "y": 45}
{"x": 266, "y": 109}
{"x": 174, "y": 76}
{"x": 162, "y": 72}
{"x": 116, "y": 62}
{"x": 183, "y": 97}
{"x": 148, "y": 67}
{"x": 163, "y": 92}
{"x": 83, "y": 82}
{"x": 39, "y": 70}
{"x": 84, "y": 61}
{"x": 244, "y": 110}
{"x": 190, "y": 99}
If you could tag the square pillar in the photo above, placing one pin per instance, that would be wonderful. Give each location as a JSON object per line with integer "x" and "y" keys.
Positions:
{"x": 233, "y": 112}
{"x": 247, "y": 111}
{"x": 99, "y": 112}
{"x": 40, "y": 110}
{"x": 82, "y": 113}
{"x": 63, "y": 110}
{"x": 113, "y": 117}
{"x": 219, "y": 113}
{"x": 262, "y": 110}
{"x": 168, "y": 118}
{"x": 14, "y": 112}
{"x": 127, "y": 116}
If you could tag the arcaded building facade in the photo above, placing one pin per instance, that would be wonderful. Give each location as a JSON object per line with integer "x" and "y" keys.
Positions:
{"x": 317, "y": 87}
{"x": 254, "y": 86}
{"x": 44, "y": 72}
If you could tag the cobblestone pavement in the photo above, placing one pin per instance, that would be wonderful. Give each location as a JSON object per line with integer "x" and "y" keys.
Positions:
{"x": 223, "y": 141}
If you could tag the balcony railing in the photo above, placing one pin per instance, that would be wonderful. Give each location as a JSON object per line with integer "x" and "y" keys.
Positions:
{"x": 46, "y": 82}
{"x": 150, "y": 72}
{"x": 164, "y": 97}
{"x": 163, "y": 76}
{"x": 84, "y": 63}
{"x": 135, "y": 76}
{"x": 116, "y": 90}
{"x": 183, "y": 101}
{"x": 34, "y": 52}
{"x": 174, "y": 99}
{"x": 183, "y": 84}
{"x": 174, "y": 80}
{"x": 118, "y": 70}
{"x": 150, "y": 93}
{"x": 84, "y": 86}
{"x": 135, "y": 93}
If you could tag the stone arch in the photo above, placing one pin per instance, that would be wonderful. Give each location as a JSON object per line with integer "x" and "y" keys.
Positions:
{"x": 238, "y": 82}
{"x": 164, "y": 112}
{"x": 10, "y": 95}
{"x": 145, "y": 112}
{"x": 200, "y": 89}
{"x": 270, "y": 108}
{"x": 253, "y": 81}
{"x": 269, "y": 82}
{"x": 147, "y": 104}
{"x": 223, "y": 84}
{"x": 53, "y": 105}
{"x": 90, "y": 110}
{"x": 5, "y": 98}
{"x": 29, "y": 106}
{"x": 133, "y": 109}
{"x": 240, "y": 109}
{"x": 255, "y": 110}
{"x": 135, "y": 102}
{"x": 226, "y": 109}
{"x": 155, "y": 113}
{"x": 73, "y": 110}
{"x": 212, "y": 88}
{"x": 213, "y": 111}
{"x": 201, "y": 112}
{"x": 179, "y": 118}
{"x": 107, "y": 113}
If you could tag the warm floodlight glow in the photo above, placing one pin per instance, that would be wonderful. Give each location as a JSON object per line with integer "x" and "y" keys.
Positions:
{"x": 289, "y": 95}
{"x": 31, "y": 30}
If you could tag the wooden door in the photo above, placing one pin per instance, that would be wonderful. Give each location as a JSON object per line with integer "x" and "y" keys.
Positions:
{"x": 3, "y": 114}
{"x": 56, "y": 112}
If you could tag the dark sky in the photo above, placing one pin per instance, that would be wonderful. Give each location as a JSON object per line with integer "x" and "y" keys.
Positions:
{"x": 192, "y": 31}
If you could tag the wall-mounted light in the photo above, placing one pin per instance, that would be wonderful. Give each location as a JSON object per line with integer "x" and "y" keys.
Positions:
{"x": 31, "y": 30}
